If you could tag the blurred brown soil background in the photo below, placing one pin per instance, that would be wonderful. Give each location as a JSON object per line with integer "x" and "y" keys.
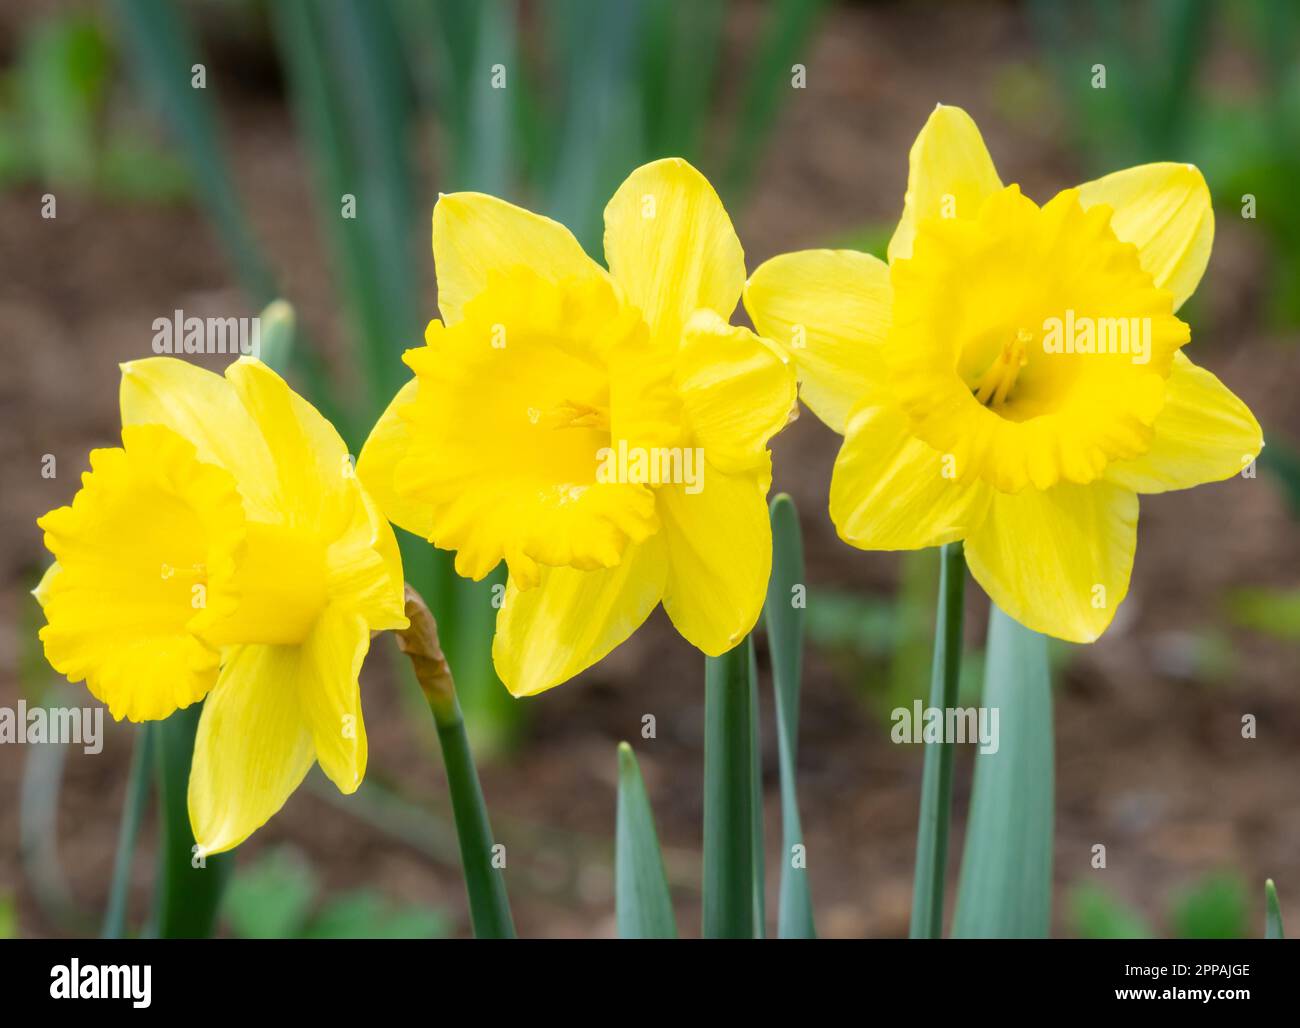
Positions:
{"x": 1150, "y": 757}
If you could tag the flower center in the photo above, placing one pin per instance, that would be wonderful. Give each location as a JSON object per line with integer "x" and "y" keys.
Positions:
{"x": 979, "y": 357}
{"x": 995, "y": 385}
{"x": 516, "y": 403}
{"x": 572, "y": 414}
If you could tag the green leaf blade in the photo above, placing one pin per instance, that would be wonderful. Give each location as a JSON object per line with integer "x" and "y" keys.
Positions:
{"x": 1273, "y": 912}
{"x": 936, "y": 781}
{"x": 1005, "y": 889}
{"x": 642, "y": 903}
{"x": 783, "y": 614}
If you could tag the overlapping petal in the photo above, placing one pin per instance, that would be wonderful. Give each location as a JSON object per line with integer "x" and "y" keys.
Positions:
{"x": 254, "y": 744}
{"x": 829, "y": 310}
{"x": 1164, "y": 210}
{"x": 330, "y": 693}
{"x": 389, "y": 441}
{"x": 1203, "y": 433}
{"x": 1058, "y": 561}
{"x": 475, "y": 235}
{"x": 203, "y": 407}
{"x": 949, "y": 175}
{"x": 315, "y": 485}
{"x": 548, "y": 634}
{"x": 738, "y": 391}
{"x": 671, "y": 246}
{"x": 719, "y": 542}
{"x": 891, "y": 491}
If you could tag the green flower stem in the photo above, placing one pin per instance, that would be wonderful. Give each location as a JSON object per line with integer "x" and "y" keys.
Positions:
{"x": 728, "y": 797}
{"x": 489, "y": 906}
{"x": 137, "y": 795}
{"x": 936, "y": 780}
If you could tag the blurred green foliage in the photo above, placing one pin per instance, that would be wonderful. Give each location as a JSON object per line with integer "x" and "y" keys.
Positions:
{"x": 54, "y": 119}
{"x": 1150, "y": 55}
{"x": 8, "y": 917}
{"x": 280, "y": 897}
{"x": 883, "y": 647}
{"x": 1160, "y": 103}
{"x": 1274, "y": 612}
{"x": 1216, "y": 906}
{"x": 1093, "y": 913}
{"x": 866, "y": 638}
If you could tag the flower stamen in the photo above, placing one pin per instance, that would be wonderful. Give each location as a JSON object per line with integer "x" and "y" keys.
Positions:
{"x": 995, "y": 385}
{"x": 571, "y": 414}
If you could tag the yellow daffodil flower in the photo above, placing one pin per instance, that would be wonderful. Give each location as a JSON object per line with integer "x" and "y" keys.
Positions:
{"x": 225, "y": 549}
{"x": 603, "y": 432}
{"x": 1013, "y": 377}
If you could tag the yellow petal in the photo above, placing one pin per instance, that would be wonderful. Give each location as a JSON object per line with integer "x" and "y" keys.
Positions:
{"x": 331, "y": 694}
{"x": 253, "y": 747}
{"x": 314, "y": 480}
{"x": 571, "y": 619}
{"x": 1058, "y": 561}
{"x": 719, "y": 555}
{"x": 474, "y": 234}
{"x": 389, "y": 442}
{"x": 829, "y": 310}
{"x": 738, "y": 391}
{"x": 671, "y": 246}
{"x": 891, "y": 491}
{"x": 272, "y": 591}
{"x": 950, "y": 174}
{"x": 1164, "y": 210}
{"x": 43, "y": 587}
{"x": 364, "y": 569}
{"x": 1203, "y": 433}
{"x": 203, "y": 408}
{"x": 134, "y": 551}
